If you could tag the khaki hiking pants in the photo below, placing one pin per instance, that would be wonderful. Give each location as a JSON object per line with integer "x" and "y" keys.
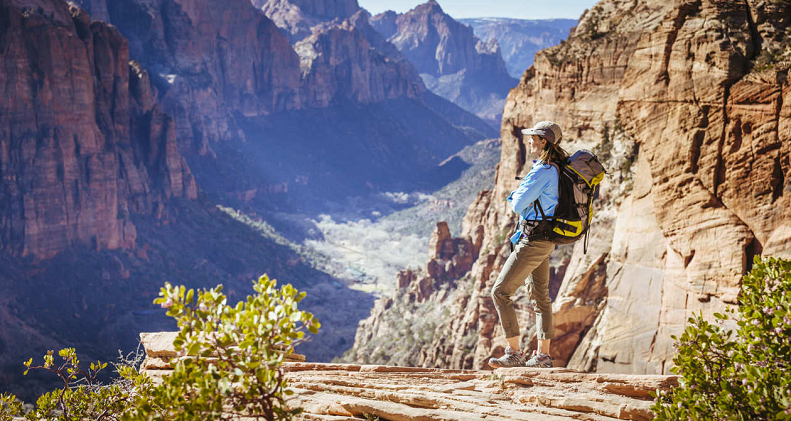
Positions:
{"x": 528, "y": 264}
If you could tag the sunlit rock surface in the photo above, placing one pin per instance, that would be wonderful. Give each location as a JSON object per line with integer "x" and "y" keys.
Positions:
{"x": 350, "y": 391}
{"x": 690, "y": 116}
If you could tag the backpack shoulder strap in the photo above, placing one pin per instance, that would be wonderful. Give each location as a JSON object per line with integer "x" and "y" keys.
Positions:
{"x": 537, "y": 203}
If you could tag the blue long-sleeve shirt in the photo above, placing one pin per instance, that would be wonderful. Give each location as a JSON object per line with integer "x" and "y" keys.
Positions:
{"x": 541, "y": 184}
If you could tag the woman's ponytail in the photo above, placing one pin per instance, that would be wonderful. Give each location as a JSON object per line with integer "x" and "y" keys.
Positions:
{"x": 554, "y": 153}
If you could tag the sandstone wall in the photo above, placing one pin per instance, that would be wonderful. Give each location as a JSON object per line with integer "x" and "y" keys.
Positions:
{"x": 686, "y": 103}
{"x": 453, "y": 63}
{"x": 683, "y": 85}
{"x": 82, "y": 143}
{"x": 209, "y": 61}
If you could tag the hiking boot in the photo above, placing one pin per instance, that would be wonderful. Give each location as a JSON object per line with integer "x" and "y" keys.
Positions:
{"x": 540, "y": 361}
{"x": 510, "y": 359}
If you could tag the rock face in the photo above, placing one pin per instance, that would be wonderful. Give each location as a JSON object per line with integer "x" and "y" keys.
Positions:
{"x": 82, "y": 142}
{"x": 350, "y": 391}
{"x": 242, "y": 97}
{"x": 338, "y": 63}
{"x": 209, "y": 61}
{"x": 520, "y": 39}
{"x": 680, "y": 221}
{"x": 297, "y": 17}
{"x": 452, "y": 61}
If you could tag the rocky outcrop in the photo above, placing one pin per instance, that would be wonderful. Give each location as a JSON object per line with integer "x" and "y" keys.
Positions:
{"x": 297, "y": 17}
{"x": 435, "y": 42}
{"x": 454, "y": 64}
{"x": 520, "y": 39}
{"x": 338, "y": 63}
{"x": 209, "y": 61}
{"x": 690, "y": 118}
{"x": 351, "y": 391}
{"x": 82, "y": 142}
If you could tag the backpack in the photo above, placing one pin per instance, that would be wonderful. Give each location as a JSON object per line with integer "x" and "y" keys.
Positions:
{"x": 578, "y": 186}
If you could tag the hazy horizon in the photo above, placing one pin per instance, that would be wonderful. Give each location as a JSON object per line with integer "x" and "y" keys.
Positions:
{"x": 515, "y": 9}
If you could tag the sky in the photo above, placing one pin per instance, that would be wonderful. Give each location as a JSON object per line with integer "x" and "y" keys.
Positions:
{"x": 521, "y": 9}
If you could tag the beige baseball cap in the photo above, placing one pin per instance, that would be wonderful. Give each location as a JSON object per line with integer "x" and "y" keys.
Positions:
{"x": 546, "y": 129}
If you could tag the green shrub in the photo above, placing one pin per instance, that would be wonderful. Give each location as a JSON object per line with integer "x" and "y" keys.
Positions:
{"x": 9, "y": 406}
{"x": 82, "y": 397}
{"x": 229, "y": 364}
{"x": 230, "y": 356}
{"x": 744, "y": 375}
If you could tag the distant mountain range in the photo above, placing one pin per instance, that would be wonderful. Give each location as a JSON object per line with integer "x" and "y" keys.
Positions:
{"x": 453, "y": 63}
{"x": 521, "y": 39}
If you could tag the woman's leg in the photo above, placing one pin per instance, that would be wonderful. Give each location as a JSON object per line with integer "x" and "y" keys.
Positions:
{"x": 538, "y": 290}
{"x": 524, "y": 260}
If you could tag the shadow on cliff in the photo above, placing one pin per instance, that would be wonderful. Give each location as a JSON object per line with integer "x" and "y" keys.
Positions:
{"x": 99, "y": 301}
{"x": 337, "y": 160}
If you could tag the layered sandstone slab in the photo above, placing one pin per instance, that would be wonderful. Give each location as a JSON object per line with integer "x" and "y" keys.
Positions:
{"x": 160, "y": 351}
{"x": 349, "y": 392}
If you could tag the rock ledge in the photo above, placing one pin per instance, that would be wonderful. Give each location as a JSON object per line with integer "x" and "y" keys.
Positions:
{"x": 350, "y": 391}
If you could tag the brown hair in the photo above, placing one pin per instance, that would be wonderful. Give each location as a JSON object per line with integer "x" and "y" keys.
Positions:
{"x": 553, "y": 153}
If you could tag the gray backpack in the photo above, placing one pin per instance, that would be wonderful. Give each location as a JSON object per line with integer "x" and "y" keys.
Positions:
{"x": 578, "y": 185}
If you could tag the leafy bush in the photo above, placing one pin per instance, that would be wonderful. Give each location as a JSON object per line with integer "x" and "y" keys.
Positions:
{"x": 746, "y": 376}
{"x": 230, "y": 356}
{"x": 229, "y": 364}
{"x": 9, "y": 406}
{"x": 82, "y": 397}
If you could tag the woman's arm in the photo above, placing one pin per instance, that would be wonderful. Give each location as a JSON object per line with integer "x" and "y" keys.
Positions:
{"x": 532, "y": 185}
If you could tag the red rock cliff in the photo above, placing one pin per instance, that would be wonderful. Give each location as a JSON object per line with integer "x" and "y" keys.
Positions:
{"x": 82, "y": 143}
{"x": 687, "y": 104}
{"x": 211, "y": 60}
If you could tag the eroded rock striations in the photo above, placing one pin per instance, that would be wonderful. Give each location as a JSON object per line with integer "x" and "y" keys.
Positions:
{"x": 454, "y": 63}
{"x": 351, "y": 391}
{"x": 706, "y": 105}
{"x": 82, "y": 142}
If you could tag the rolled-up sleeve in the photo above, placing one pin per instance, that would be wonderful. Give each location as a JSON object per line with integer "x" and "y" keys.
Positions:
{"x": 529, "y": 190}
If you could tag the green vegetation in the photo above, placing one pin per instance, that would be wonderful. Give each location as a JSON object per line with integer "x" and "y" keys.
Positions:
{"x": 82, "y": 397}
{"x": 370, "y": 252}
{"x": 228, "y": 365}
{"x": 595, "y": 27}
{"x": 741, "y": 375}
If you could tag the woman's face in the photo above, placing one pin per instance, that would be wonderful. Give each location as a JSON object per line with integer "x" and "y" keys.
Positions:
{"x": 536, "y": 145}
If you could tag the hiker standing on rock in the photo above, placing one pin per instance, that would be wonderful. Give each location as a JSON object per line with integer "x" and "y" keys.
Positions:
{"x": 536, "y": 198}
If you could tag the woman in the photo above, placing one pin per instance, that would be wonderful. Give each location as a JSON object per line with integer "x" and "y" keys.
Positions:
{"x": 529, "y": 261}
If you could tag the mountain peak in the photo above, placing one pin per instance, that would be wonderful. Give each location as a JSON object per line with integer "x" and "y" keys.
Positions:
{"x": 430, "y": 7}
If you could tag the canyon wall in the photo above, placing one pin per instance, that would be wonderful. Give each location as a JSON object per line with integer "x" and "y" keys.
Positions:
{"x": 338, "y": 61}
{"x": 686, "y": 104}
{"x": 210, "y": 62}
{"x": 82, "y": 142}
